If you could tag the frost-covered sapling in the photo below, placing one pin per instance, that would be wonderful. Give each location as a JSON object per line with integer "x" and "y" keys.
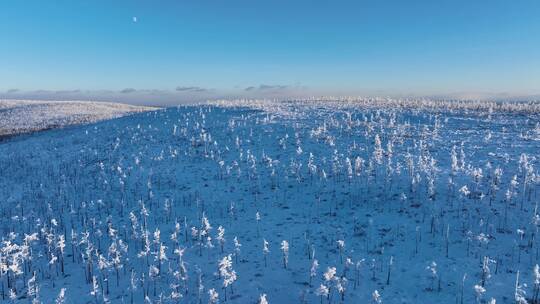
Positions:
{"x": 417, "y": 239}
{"x": 103, "y": 266}
{"x": 115, "y": 255}
{"x": 341, "y": 246}
{"x": 536, "y": 290}
{"x": 200, "y": 285}
{"x": 378, "y": 151}
{"x": 357, "y": 267}
{"x": 12, "y": 295}
{"x": 227, "y": 273}
{"x": 447, "y": 239}
{"x": 510, "y": 193}
{"x": 313, "y": 270}
{"x": 203, "y": 233}
{"x": 376, "y": 297}
{"x": 33, "y": 289}
{"x": 95, "y": 289}
{"x": 153, "y": 274}
{"x": 495, "y": 182}
{"x": 519, "y": 292}
{"x": 237, "y": 246}
{"x": 145, "y": 252}
{"x": 213, "y": 296}
{"x": 348, "y": 264}
{"x": 285, "y": 252}
{"x": 390, "y": 264}
{"x": 175, "y": 236}
{"x": 486, "y": 273}
{"x": 465, "y": 193}
{"x": 528, "y": 175}
{"x": 221, "y": 237}
{"x": 483, "y": 239}
{"x": 329, "y": 277}
{"x": 258, "y": 219}
{"x": 373, "y": 268}
{"x": 265, "y": 251}
{"x": 159, "y": 252}
{"x": 262, "y": 299}
{"x": 132, "y": 285}
{"x": 61, "y": 298}
{"x": 309, "y": 246}
{"x": 322, "y": 292}
{"x": 477, "y": 176}
{"x": 433, "y": 276}
{"x": 181, "y": 275}
{"x": 341, "y": 284}
{"x": 232, "y": 213}
{"x": 60, "y": 245}
{"x": 402, "y": 199}
{"x": 519, "y": 245}
{"x": 478, "y": 293}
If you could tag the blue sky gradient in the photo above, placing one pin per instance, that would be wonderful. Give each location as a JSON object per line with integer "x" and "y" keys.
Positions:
{"x": 176, "y": 50}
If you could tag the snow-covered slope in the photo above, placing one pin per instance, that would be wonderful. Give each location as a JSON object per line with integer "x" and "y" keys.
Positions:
{"x": 23, "y": 116}
{"x": 424, "y": 204}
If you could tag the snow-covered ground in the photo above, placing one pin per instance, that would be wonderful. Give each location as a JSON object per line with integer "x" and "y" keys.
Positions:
{"x": 319, "y": 201}
{"x": 23, "y": 116}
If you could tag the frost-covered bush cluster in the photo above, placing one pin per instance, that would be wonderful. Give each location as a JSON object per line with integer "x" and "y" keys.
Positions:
{"x": 264, "y": 202}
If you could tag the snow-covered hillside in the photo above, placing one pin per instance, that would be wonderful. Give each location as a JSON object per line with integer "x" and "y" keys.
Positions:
{"x": 23, "y": 116}
{"x": 286, "y": 202}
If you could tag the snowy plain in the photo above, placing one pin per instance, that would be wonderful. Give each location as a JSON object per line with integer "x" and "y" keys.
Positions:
{"x": 24, "y": 116}
{"x": 313, "y": 201}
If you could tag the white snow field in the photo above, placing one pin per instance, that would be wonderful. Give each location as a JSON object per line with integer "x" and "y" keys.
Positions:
{"x": 314, "y": 201}
{"x": 24, "y": 116}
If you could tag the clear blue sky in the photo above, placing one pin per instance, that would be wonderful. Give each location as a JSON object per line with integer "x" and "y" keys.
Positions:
{"x": 219, "y": 48}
